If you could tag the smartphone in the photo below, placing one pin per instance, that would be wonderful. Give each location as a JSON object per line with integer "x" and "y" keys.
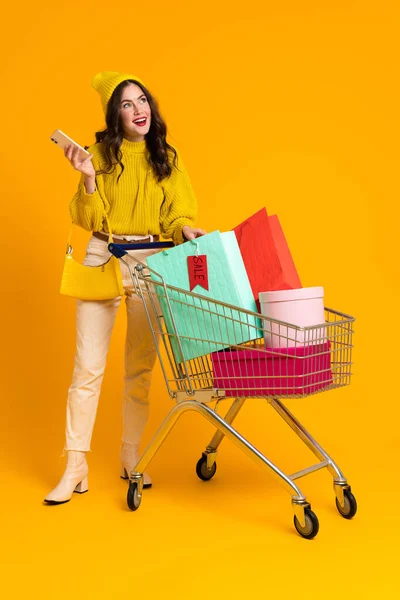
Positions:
{"x": 62, "y": 140}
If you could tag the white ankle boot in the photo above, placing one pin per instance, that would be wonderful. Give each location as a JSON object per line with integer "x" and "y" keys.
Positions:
{"x": 129, "y": 459}
{"x": 74, "y": 479}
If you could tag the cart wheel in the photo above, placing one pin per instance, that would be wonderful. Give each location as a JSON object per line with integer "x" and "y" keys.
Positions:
{"x": 201, "y": 469}
{"x": 350, "y": 505}
{"x": 132, "y": 497}
{"x": 311, "y": 527}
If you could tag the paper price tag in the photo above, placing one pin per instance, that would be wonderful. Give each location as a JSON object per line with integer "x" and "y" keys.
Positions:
{"x": 198, "y": 271}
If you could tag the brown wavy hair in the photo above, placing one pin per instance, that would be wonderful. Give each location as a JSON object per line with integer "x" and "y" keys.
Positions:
{"x": 156, "y": 142}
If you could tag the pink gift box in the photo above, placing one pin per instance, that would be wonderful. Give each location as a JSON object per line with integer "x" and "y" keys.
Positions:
{"x": 273, "y": 372}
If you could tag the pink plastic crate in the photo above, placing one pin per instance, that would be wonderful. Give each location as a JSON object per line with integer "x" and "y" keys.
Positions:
{"x": 273, "y": 372}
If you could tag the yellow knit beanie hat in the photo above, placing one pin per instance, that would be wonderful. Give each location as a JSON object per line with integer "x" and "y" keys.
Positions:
{"x": 106, "y": 82}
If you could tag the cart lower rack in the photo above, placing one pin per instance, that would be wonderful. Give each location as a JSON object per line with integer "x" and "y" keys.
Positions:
{"x": 210, "y": 351}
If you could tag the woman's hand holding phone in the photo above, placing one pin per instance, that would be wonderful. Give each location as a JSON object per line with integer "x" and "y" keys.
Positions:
{"x": 84, "y": 166}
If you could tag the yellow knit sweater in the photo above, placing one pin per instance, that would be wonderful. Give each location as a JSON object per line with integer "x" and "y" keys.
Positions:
{"x": 137, "y": 204}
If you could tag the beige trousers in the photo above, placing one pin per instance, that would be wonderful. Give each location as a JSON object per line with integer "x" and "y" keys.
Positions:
{"x": 94, "y": 324}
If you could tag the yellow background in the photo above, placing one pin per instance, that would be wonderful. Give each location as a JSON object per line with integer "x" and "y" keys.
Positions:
{"x": 289, "y": 105}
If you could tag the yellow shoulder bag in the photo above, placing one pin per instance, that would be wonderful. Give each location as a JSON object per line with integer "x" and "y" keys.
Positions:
{"x": 91, "y": 283}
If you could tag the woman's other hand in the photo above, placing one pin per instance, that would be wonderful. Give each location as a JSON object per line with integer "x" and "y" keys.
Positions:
{"x": 84, "y": 166}
{"x": 191, "y": 233}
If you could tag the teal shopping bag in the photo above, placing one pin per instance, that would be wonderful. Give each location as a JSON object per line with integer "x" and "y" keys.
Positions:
{"x": 205, "y": 326}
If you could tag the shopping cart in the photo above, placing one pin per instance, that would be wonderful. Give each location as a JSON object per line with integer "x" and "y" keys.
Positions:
{"x": 302, "y": 362}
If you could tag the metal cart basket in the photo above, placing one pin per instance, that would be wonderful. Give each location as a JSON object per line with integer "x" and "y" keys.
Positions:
{"x": 301, "y": 362}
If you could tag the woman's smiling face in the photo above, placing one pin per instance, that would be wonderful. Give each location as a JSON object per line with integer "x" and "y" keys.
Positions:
{"x": 135, "y": 113}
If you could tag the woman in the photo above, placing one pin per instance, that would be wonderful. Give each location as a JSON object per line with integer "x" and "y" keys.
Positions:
{"x": 139, "y": 180}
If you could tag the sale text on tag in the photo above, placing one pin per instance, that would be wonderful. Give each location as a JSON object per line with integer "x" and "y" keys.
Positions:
{"x": 198, "y": 271}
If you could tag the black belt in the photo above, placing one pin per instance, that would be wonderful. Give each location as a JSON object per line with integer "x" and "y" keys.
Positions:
{"x": 119, "y": 240}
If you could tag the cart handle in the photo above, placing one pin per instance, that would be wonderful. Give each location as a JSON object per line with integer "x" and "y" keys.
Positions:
{"x": 119, "y": 250}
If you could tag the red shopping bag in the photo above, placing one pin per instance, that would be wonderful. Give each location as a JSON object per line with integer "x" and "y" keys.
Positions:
{"x": 266, "y": 255}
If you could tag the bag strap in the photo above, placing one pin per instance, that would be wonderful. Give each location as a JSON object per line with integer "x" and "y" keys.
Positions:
{"x": 110, "y": 237}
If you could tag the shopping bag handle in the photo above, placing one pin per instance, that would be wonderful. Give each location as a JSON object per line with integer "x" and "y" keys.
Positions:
{"x": 119, "y": 250}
